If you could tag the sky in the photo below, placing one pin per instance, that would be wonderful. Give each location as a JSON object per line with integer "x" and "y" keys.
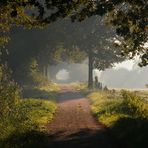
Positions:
{"x": 128, "y": 64}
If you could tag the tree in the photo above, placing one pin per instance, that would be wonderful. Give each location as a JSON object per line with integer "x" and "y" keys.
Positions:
{"x": 129, "y": 18}
{"x": 14, "y": 13}
{"x": 92, "y": 38}
{"x": 65, "y": 41}
{"x": 100, "y": 52}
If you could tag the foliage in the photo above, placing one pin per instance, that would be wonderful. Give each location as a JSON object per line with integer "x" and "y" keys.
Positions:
{"x": 10, "y": 92}
{"x": 125, "y": 115}
{"x": 30, "y": 115}
{"x": 137, "y": 107}
{"x": 51, "y": 87}
{"x": 35, "y": 75}
{"x": 128, "y": 104}
{"x": 39, "y": 111}
{"x": 14, "y": 13}
{"x": 129, "y": 18}
{"x": 79, "y": 86}
{"x": 94, "y": 38}
{"x": 41, "y": 92}
{"x": 20, "y": 119}
{"x": 74, "y": 55}
{"x": 105, "y": 108}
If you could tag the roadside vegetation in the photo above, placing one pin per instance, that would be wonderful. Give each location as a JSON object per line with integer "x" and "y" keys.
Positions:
{"x": 79, "y": 86}
{"x": 23, "y": 118}
{"x": 125, "y": 114}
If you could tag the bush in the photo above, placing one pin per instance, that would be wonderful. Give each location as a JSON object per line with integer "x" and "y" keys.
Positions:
{"x": 9, "y": 101}
{"x": 28, "y": 118}
{"x": 10, "y": 93}
{"x": 20, "y": 119}
{"x": 136, "y": 106}
{"x": 35, "y": 76}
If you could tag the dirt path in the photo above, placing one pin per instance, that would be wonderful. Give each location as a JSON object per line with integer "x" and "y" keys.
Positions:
{"x": 74, "y": 126}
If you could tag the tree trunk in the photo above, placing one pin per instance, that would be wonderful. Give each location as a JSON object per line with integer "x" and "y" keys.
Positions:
{"x": 45, "y": 71}
{"x": 41, "y": 69}
{"x": 90, "y": 71}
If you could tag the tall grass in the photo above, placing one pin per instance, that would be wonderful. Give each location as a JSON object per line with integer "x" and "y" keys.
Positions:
{"x": 126, "y": 115}
{"x": 29, "y": 116}
{"x": 22, "y": 121}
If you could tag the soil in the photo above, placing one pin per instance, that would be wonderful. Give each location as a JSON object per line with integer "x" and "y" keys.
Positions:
{"x": 74, "y": 126}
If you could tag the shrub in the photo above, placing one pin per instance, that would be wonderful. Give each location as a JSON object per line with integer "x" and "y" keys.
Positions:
{"x": 136, "y": 106}
{"x": 28, "y": 119}
{"x": 9, "y": 101}
{"x": 21, "y": 118}
{"x": 10, "y": 92}
{"x": 35, "y": 76}
{"x": 126, "y": 117}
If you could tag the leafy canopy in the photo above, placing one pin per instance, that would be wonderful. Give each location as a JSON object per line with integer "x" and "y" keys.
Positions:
{"x": 128, "y": 16}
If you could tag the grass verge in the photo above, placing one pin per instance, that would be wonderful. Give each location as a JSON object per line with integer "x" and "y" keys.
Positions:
{"x": 25, "y": 124}
{"x": 126, "y": 115}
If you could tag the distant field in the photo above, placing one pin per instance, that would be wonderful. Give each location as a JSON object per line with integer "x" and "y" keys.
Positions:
{"x": 143, "y": 93}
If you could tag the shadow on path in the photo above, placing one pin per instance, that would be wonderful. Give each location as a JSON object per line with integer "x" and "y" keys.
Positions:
{"x": 74, "y": 126}
{"x": 68, "y": 96}
{"x": 84, "y": 138}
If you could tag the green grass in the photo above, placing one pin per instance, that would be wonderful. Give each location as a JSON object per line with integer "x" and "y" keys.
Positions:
{"x": 51, "y": 87}
{"x": 105, "y": 109}
{"x": 142, "y": 93}
{"x": 39, "y": 111}
{"x": 79, "y": 86}
{"x": 126, "y": 115}
{"x": 41, "y": 92}
{"x": 30, "y": 116}
{"x": 25, "y": 125}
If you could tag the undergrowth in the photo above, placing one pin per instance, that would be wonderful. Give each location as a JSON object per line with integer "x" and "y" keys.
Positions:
{"x": 29, "y": 116}
{"x": 126, "y": 115}
{"x": 23, "y": 120}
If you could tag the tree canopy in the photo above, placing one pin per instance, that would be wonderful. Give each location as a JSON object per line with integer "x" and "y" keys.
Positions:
{"x": 128, "y": 16}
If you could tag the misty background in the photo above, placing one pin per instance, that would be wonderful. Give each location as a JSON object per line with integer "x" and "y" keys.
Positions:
{"x": 123, "y": 75}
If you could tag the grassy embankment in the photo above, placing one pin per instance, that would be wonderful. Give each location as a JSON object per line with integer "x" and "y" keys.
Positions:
{"x": 125, "y": 114}
{"x": 25, "y": 125}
